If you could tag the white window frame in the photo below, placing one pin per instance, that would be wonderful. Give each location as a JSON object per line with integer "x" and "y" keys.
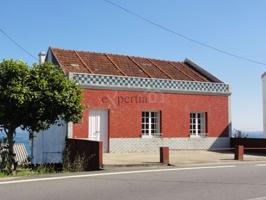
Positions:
{"x": 198, "y": 125}
{"x": 146, "y": 121}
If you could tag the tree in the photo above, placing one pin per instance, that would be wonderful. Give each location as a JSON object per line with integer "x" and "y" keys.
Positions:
{"x": 53, "y": 98}
{"x": 14, "y": 92}
{"x": 34, "y": 99}
{"x": 239, "y": 134}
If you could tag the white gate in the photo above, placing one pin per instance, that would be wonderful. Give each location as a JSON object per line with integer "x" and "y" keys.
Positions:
{"x": 48, "y": 145}
{"x": 98, "y": 127}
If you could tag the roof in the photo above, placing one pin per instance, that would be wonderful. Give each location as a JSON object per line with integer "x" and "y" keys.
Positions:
{"x": 21, "y": 153}
{"x": 123, "y": 65}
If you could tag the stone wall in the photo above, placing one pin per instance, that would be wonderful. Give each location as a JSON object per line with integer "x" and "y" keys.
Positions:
{"x": 152, "y": 144}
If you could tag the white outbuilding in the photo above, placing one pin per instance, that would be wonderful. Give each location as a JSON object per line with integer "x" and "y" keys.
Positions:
{"x": 263, "y": 77}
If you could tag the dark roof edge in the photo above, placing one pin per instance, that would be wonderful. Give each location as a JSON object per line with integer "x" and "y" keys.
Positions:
{"x": 262, "y": 76}
{"x": 202, "y": 71}
{"x": 53, "y": 57}
{"x": 47, "y": 52}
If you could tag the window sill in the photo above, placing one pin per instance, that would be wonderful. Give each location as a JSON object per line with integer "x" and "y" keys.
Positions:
{"x": 152, "y": 136}
{"x": 198, "y": 136}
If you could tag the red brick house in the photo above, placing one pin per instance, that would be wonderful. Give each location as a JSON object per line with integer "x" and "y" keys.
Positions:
{"x": 137, "y": 104}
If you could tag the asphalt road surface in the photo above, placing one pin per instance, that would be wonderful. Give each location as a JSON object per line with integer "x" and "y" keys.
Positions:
{"x": 245, "y": 182}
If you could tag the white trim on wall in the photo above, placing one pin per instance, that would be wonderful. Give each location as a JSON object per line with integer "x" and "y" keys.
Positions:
{"x": 229, "y": 117}
{"x": 70, "y": 130}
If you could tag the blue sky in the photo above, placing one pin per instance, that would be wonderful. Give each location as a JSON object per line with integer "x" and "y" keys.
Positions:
{"x": 235, "y": 26}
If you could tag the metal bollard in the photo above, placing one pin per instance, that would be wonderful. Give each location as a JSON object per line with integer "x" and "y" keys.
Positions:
{"x": 239, "y": 152}
{"x": 164, "y": 155}
{"x": 100, "y": 155}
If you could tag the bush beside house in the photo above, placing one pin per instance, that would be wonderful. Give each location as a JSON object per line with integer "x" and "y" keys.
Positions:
{"x": 33, "y": 99}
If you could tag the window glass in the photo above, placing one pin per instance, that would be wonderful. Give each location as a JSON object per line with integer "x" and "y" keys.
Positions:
{"x": 150, "y": 123}
{"x": 198, "y": 123}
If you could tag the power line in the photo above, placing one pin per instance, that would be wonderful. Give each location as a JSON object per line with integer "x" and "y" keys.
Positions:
{"x": 183, "y": 36}
{"x": 17, "y": 44}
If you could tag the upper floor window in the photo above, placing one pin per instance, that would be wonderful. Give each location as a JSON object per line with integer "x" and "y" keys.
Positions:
{"x": 198, "y": 124}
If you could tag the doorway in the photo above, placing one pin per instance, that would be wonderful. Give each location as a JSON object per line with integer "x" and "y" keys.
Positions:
{"x": 98, "y": 126}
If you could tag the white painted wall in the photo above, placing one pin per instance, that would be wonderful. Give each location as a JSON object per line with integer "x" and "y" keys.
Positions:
{"x": 263, "y": 77}
{"x": 48, "y": 145}
{"x": 42, "y": 56}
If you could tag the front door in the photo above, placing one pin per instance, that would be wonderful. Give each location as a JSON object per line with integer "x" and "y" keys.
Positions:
{"x": 98, "y": 127}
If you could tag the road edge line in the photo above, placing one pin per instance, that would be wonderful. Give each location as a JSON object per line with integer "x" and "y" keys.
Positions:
{"x": 112, "y": 173}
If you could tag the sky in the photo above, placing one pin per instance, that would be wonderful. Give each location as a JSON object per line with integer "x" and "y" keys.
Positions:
{"x": 238, "y": 27}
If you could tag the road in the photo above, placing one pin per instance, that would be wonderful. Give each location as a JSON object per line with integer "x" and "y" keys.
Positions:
{"x": 245, "y": 182}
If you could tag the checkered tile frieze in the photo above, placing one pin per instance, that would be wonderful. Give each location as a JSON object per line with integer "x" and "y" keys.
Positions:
{"x": 150, "y": 84}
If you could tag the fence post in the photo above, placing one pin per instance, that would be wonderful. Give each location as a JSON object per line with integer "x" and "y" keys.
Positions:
{"x": 239, "y": 152}
{"x": 164, "y": 155}
{"x": 100, "y": 155}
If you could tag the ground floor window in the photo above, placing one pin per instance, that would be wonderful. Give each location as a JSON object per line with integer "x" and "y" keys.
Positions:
{"x": 151, "y": 123}
{"x": 198, "y": 124}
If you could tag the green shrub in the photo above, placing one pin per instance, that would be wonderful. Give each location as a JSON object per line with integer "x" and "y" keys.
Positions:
{"x": 3, "y": 155}
{"x": 74, "y": 163}
{"x": 239, "y": 134}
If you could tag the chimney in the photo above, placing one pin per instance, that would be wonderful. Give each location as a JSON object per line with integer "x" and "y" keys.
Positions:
{"x": 42, "y": 56}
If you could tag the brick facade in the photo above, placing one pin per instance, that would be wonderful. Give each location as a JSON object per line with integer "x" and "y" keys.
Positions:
{"x": 125, "y": 108}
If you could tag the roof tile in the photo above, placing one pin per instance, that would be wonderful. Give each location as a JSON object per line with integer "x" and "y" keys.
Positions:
{"x": 121, "y": 65}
